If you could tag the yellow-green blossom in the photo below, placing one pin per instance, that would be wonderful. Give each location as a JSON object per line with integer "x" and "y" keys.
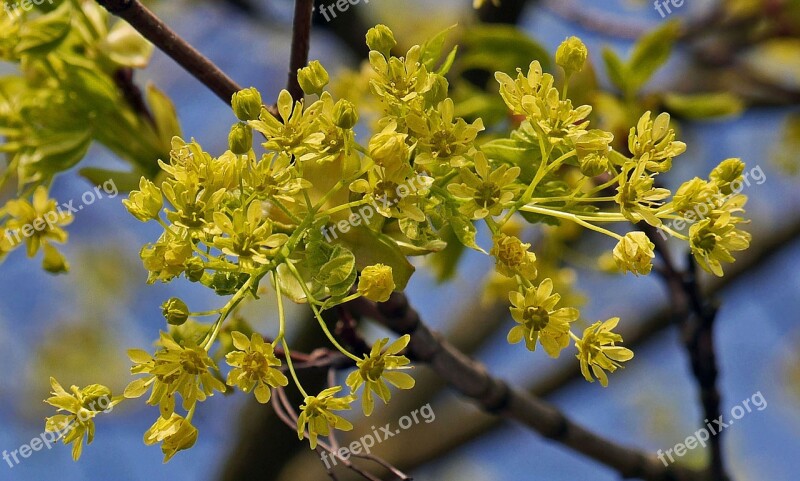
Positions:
{"x": 175, "y": 432}
{"x": 489, "y": 192}
{"x": 82, "y": 404}
{"x": 713, "y": 239}
{"x": 316, "y": 415}
{"x": 512, "y": 257}
{"x": 653, "y": 143}
{"x": 39, "y": 224}
{"x": 254, "y": 366}
{"x": 174, "y": 369}
{"x": 636, "y": 196}
{"x": 145, "y": 204}
{"x": 571, "y": 55}
{"x": 378, "y": 367}
{"x": 597, "y": 350}
{"x": 634, "y": 253}
{"x": 539, "y": 320}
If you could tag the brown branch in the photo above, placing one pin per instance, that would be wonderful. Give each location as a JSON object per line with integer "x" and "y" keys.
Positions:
{"x": 169, "y": 42}
{"x": 696, "y": 316}
{"x": 133, "y": 94}
{"x": 301, "y": 44}
{"x": 495, "y": 396}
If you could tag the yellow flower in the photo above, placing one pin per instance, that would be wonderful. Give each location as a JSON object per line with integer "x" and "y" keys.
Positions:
{"x": 374, "y": 369}
{"x": 653, "y": 143}
{"x": 82, "y": 405}
{"x": 254, "y": 366}
{"x": 145, "y": 204}
{"x": 597, "y": 350}
{"x": 317, "y": 415}
{"x": 513, "y": 257}
{"x": 186, "y": 370}
{"x": 634, "y": 253}
{"x": 39, "y": 224}
{"x": 636, "y": 196}
{"x": 175, "y": 433}
{"x": 376, "y": 283}
{"x": 489, "y": 192}
{"x": 538, "y": 319}
{"x": 713, "y": 239}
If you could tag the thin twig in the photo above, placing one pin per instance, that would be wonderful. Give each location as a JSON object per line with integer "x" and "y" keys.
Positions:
{"x": 169, "y": 42}
{"x": 301, "y": 44}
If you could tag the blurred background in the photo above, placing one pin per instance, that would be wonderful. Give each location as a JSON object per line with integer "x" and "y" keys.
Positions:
{"x": 73, "y": 326}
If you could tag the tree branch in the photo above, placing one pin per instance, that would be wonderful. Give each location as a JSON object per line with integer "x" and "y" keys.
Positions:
{"x": 301, "y": 44}
{"x": 169, "y": 42}
{"x": 698, "y": 338}
{"x": 495, "y": 396}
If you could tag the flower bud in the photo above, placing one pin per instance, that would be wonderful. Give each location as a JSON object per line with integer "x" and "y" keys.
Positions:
{"x": 726, "y": 173}
{"x": 240, "y": 140}
{"x": 571, "y": 55}
{"x": 381, "y": 39}
{"x": 388, "y": 148}
{"x": 345, "y": 115}
{"x": 195, "y": 268}
{"x": 175, "y": 311}
{"x": 376, "y": 283}
{"x": 513, "y": 257}
{"x": 247, "y": 104}
{"x": 634, "y": 253}
{"x": 313, "y": 78}
{"x": 592, "y": 148}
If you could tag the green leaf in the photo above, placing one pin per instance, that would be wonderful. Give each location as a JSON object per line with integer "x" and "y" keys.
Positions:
{"x": 776, "y": 61}
{"x": 501, "y": 48}
{"x": 465, "y": 232}
{"x": 126, "y": 47}
{"x": 704, "y": 106}
{"x": 125, "y": 181}
{"x": 44, "y": 34}
{"x": 445, "y": 262}
{"x": 651, "y": 52}
{"x": 165, "y": 116}
{"x": 616, "y": 70}
{"x": 55, "y": 153}
{"x": 514, "y": 152}
{"x": 432, "y": 49}
{"x": 372, "y": 248}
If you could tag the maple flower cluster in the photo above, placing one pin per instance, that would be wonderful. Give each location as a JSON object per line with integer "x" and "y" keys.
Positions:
{"x": 244, "y": 223}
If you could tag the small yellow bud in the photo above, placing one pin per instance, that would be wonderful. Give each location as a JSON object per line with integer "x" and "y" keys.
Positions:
{"x": 246, "y": 104}
{"x": 376, "y": 283}
{"x": 240, "y": 140}
{"x": 381, "y": 39}
{"x": 313, "y": 78}
{"x": 571, "y": 55}
{"x": 345, "y": 114}
{"x": 175, "y": 311}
